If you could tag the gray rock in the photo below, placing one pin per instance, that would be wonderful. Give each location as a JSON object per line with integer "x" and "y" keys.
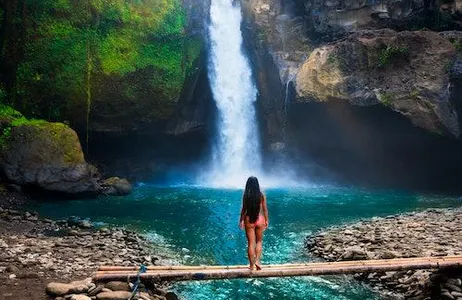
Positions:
{"x": 117, "y": 286}
{"x": 95, "y": 291}
{"x": 447, "y": 295}
{"x": 453, "y": 287}
{"x": 455, "y": 281}
{"x": 117, "y": 295}
{"x": 79, "y": 289}
{"x": 58, "y": 289}
{"x": 388, "y": 254}
{"x": 171, "y": 296}
{"x": 12, "y": 269}
{"x": 80, "y": 297}
{"x": 116, "y": 186}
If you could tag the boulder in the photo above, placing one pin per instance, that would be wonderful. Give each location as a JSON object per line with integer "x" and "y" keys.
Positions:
{"x": 58, "y": 289}
{"x": 407, "y": 72}
{"x": 95, "y": 291}
{"x": 116, "y": 186}
{"x": 80, "y": 297}
{"x": 353, "y": 253}
{"x": 117, "y": 295}
{"x": 117, "y": 286}
{"x": 47, "y": 156}
{"x": 388, "y": 254}
{"x": 171, "y": 296}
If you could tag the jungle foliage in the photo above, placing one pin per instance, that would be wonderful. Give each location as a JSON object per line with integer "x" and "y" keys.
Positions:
{"x": 58, "y": 55}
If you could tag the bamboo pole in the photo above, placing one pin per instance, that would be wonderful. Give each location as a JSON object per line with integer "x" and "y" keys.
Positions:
{"x": 312, "y": 264}
{"x": 307, "y": 269}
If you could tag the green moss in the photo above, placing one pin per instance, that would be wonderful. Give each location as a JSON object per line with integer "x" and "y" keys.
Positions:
{"x": 386, "y": 98}
{"x": 389, "y": 53}
{"x": 58, "y": 138}
{"x": 332, "y": 59}
{"x": 121, "y": 38}
{"x": 414, "y": 94}
{"x": 9, "y": 113}
{"x": 457, "y": 44}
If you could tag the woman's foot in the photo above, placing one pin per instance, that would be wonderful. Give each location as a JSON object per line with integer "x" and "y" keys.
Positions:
{"x": 252, "y": 268}
{"x": 258, "y": 266}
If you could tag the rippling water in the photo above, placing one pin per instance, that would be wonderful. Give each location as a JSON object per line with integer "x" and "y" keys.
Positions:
{"x": 201, "y": 226}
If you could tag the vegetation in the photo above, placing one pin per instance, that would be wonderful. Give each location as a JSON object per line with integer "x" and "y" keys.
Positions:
{"x": 434, "y": 20}
{"x": 62, "y": 54}
{"x": 387, "y": 54}
{"x": 7, "y": 113}
{"x": 457, "y": 44}
{"x": 414, "y": 94}
{"x": 385, "y": 98}
{"x": 332, "y": 59}
{"x": 57, "y": 135}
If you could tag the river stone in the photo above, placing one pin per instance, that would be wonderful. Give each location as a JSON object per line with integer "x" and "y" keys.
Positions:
{"x": 453, "y": 287}
{"x": 117, "y": 286}
{"x": 117, "y": 295}
{"x": 58, "y": 289}
{"x": 388, "y": 254}
{"x": 95, "y": 291}
{"x": 78, "y": 289}
{"x": 12, "y": 269}
{"x": 171, "y": 296}
{"x": 455, "y": 281}
{"x": 80, "y": 297}
{"x": 144, "y": 296}
{"x": 447, "y": 295}
{"x": 116, "y": 186}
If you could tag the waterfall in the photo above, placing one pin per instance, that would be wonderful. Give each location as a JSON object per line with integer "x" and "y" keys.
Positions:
{"x": 236, "y": 153}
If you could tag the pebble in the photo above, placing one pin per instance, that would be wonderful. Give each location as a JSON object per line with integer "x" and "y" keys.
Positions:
{"x": 72, "y": 249}
{"x": 435, "y": 232}
{"x": 118, "y": 295}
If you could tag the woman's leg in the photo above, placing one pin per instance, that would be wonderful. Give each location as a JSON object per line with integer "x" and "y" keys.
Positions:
{"x": 258, "y": 245}
{"x": 250, "y": 233}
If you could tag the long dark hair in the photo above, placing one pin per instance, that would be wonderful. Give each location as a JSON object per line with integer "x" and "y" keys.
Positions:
{"x": 251, "y": 199}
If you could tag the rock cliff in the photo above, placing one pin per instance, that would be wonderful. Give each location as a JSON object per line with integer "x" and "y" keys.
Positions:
{"x": 369, "y": 89}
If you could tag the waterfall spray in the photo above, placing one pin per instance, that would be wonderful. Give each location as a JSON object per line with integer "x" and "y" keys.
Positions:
{"x": 236, "y": 154}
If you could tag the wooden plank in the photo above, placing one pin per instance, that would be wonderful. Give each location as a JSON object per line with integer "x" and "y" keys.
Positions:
{"x": 312, "y": 264}
{"x": 106, "y": 273}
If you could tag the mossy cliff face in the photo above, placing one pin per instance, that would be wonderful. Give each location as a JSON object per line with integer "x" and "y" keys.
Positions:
{"x": 105, "y": 66}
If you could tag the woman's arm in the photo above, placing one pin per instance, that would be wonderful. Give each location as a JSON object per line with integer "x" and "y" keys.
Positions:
{"x": 265, "y": 211}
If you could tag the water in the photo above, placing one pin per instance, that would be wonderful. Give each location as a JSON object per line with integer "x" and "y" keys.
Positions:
{"x": 200, "y": 225}
{"x": 237, "y": 150}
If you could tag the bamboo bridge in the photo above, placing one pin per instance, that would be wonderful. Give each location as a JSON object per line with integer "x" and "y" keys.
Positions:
{"x": 182, "y": 273}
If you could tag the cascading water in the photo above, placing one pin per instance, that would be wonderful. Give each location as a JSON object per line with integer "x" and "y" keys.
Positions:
{"x": 236, "y": 154}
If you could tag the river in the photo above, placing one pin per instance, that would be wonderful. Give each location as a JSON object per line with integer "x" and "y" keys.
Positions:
{"x": 199, "y": 225}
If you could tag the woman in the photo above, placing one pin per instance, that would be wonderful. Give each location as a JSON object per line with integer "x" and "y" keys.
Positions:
{"x": 254, "y": 218}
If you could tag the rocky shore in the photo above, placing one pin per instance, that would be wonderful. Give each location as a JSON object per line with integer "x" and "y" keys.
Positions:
{"x": 435, "y": 232}
{"x": 34, "y": 252}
